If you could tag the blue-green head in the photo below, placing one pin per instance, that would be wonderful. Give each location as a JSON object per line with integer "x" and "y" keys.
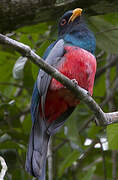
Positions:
{"x": 73, "y": 29}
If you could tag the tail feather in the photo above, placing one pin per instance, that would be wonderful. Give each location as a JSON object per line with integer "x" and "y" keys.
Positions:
{"x": 37, "y": 150}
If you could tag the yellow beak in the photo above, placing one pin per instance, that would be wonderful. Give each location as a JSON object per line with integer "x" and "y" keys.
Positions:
{"x": 76, "y": 12}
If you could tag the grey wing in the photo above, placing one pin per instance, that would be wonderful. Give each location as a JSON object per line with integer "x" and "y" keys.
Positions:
{"x": 53, "y": 58}
{"x": 44, "y": 79}
{"x": 38, "y": 142}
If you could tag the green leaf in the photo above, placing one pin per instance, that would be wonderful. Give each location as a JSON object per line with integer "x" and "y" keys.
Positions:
{"x": 37, "y": 28}
{"x": 9, "y": 145}
{"x": 18, "y": 135}
{"x": 72, "y": 129}
{"x": 106, "y": 32}
{"x": 35, "y": 70}
{"x": 4, "y": 138}
{"x": 26, "y": 124}
{"x": 93, "y": 131}
{"x": 108, "y": 165}
{"x": 11, "y": 158}
{"x": 23, "y": 70}
{"x": 12, "y": 111}
{"x": 68, "y": 161}
{"x": 89, "y": 174}
{"x": 28, "y": 77}
{"x": 7, "y": 60}
{"x": 43, "y": 47}
{"x": 112, "y": 134}
{"x": 100, "y": 89}
{"x": 18, "y": 67}
{"x": 24, "y": 38}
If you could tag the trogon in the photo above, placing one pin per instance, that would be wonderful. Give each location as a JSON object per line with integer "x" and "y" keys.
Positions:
{"x": 52, "y": 103}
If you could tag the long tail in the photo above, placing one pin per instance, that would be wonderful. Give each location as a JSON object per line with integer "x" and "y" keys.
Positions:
{"x": 37, "y": 150}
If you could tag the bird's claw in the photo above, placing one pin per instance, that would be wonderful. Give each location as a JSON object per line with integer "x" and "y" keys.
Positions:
{"x": 75, "y": 82}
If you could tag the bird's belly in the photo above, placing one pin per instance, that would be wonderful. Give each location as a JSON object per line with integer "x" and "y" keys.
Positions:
{"x": 78, "y": 64}
{"x": 57, "y": 102}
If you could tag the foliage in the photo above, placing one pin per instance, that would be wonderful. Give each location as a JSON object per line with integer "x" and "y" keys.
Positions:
{"x": 69, "y": 144}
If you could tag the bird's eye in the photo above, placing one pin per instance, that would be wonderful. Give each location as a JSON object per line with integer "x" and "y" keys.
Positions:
{"x": 63, "y": 22}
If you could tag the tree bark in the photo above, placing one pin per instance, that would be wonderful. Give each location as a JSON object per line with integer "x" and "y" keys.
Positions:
{"x": 18, "y": 13}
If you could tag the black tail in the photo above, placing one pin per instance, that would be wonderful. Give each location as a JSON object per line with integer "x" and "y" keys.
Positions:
{"x": 37, "y": 150}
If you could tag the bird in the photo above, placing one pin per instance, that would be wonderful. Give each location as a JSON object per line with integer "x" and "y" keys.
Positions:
{"x": 72, "y": 54}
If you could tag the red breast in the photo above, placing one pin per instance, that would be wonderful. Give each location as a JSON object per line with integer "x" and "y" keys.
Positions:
{"x": 76, "y": 64}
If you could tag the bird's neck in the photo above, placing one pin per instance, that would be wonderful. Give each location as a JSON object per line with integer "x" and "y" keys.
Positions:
{"x": 81, "y": 37}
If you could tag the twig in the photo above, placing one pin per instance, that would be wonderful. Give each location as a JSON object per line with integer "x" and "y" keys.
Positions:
{"x": 64, "y": 3}
{"x": 22, "y": 113}
{"x": 85, "y": 124}
{"x": 2, "y": 97}
{"x": 111, "y": 108}
{"x": 108, "y": 30}
{"x": 11, "y": 84}
{"x": 60, "y": 145}
{"x": 108, "y": 65}
{"x": 113, "y": 90}
{"x": 50, "y": 161}
{"x": 103, "y": 158}
{"x": 108, "y": 83}
{"x": 85, "y": 154}
{"x": 18, "y": 92}
{"x": 4, "y": 168}
{"x": 114, "y": 165}
{"x": 100, "y": 55}
{"x": 102, "y": 118}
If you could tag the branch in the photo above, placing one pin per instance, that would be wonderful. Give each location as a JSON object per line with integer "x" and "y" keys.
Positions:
{"x": 111, "y": 108}
{"x": 86, "y": 152}
{"x": 82, "y": 94}
{"x": 103, "y": 160}
{"x": 100, "y": 55}
{"x": 111, "y": 63}
{"x": 11, "y": 84}
{"x": 13, "y": 13}
{"x": 112, "y": 92}
{"x": 60, "y": 145}
{"x": 114, "y": 164}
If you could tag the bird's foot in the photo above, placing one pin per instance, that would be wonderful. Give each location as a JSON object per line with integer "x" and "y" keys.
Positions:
{"x": 74, "y": 82}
